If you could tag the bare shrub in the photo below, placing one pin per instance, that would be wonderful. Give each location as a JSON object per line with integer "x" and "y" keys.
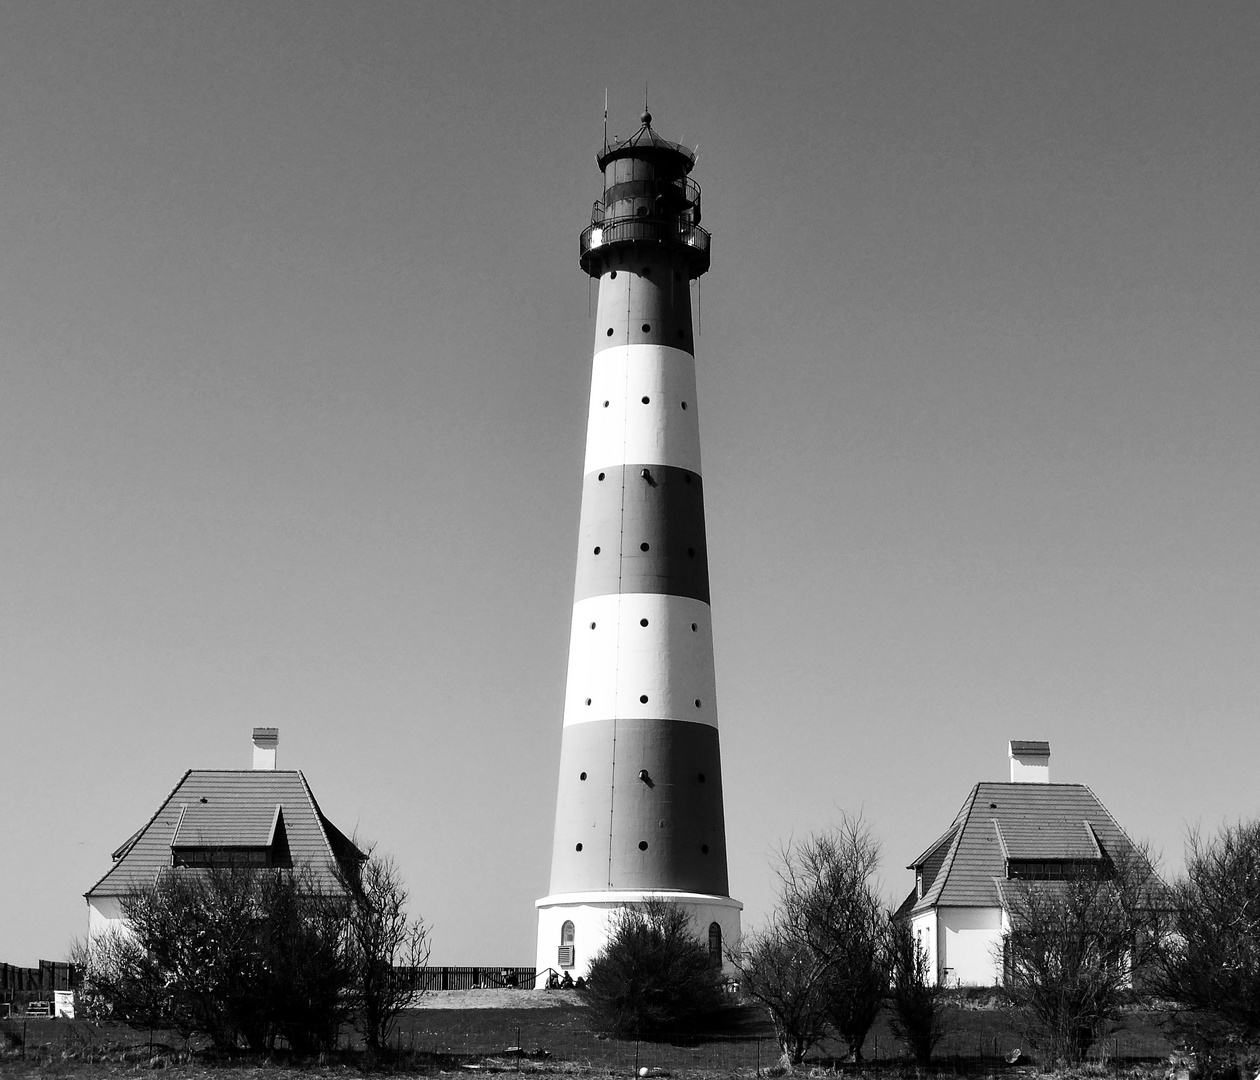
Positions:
{"x": 829, "y": 901}
{"x": 388, "y": 949}
{"x": 1210, "y": 963}
{"x": 918, "y": 1002}
{"x": 1075, "y": 947}
{"x": 781, "y": 972}
{"x": 822, "y": 962}
{"x": 654, "y": 975}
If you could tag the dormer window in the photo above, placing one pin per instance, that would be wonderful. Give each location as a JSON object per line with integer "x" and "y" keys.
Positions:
{"x": 221, "y": 856}
{"x": 1052, "y": 869}
{"x": 203, "y": 839}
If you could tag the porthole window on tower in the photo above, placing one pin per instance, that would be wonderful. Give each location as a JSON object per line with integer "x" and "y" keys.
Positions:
{"x": 694, "y": 628}
{"x": 715, "y": 943}
{"x": 700, "y": 778}
{"x": 592, "y": 626}
{"x": 643, "y": 622}
{"x": 596, "y": 549}
{"x": 610, "y": 331}
{"x": 646, "y": 399}
{"x": 643, "y": 845}
{"x": 581, "y": 776}
{"x": 704, "y": 849}
{"x": 684, "y": 406}
{"x": 577, "y": 847}
{"x": 647, "y": 328}
{"x": 613, "y": 274}
{"x": 643, "y": 699}
{"x": 601, "y": 476}
{"x": 697, "y": 703}
{"x": 643, "y": 546}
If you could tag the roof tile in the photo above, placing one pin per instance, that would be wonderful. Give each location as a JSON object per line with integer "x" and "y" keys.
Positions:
{"x": 1026, "y": 821}
{"x": 229, "y": 808}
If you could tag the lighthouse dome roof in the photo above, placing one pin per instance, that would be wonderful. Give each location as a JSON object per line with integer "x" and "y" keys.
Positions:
{"x": 646, "y": 143}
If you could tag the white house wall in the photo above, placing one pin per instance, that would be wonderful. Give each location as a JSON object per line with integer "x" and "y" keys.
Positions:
{"x": 104, "y": 914}
{"x": 970, "y": 943}
{"x": 923, "y": 927}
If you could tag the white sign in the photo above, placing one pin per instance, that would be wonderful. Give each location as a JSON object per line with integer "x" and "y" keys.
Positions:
{"x": 64, "y": 1003}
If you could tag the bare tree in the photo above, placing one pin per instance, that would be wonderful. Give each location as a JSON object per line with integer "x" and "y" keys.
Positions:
{"x": 822, "y": 962}
{"x": 830, "y": 903}
{"x": 1075, "y": 947}
{"x": 389, "y": 949}
{"x": 779, "y": 970}
{"x": 1210, "y": 963}
{"x": 918, "y": 1013}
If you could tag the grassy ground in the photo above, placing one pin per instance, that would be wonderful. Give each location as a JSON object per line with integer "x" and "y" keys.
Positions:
{"x": 558, "y": 1040}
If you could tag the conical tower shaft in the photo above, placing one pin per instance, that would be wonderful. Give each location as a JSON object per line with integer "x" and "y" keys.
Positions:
{"x": 639, "y": 808}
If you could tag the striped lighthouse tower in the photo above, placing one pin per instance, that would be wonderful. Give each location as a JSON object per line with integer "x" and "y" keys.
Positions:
{"x": 639, "y": 808}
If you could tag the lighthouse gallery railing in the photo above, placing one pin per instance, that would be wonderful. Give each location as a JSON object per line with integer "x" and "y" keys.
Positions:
{"x": 643, "y": 227}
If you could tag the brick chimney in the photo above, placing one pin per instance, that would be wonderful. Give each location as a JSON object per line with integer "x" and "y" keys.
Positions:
{"x": 1030, "y": 762}
{"x": 266, "y": 739}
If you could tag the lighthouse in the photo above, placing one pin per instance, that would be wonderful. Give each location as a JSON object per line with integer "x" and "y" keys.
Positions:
{"x": 639, "y": 807}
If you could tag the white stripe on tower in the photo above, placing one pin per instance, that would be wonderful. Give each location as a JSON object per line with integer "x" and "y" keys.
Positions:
{"x": 614, "y": 659}
{"x": 621, "y": 429}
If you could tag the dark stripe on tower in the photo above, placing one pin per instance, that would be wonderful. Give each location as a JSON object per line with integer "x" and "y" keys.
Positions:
{"x": 650, "y": 290}
{"x": 626, "y": 510}
{"x": 675, "y": 812}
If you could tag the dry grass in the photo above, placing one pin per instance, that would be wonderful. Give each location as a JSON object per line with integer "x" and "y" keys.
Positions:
{"x": 456, "y": 1034}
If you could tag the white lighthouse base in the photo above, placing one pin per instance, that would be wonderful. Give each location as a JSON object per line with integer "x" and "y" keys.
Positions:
{"x": 591, "y": 914}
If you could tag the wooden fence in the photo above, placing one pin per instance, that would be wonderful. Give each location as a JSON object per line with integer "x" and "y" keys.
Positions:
{"x": 476, "y": 978}
{"x": 49, "y": 976}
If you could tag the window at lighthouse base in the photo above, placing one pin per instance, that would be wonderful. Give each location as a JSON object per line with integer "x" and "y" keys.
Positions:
{"x": 564, "y": 955}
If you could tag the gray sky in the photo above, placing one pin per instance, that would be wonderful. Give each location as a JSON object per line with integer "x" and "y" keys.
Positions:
{"x": 294, "y": 356}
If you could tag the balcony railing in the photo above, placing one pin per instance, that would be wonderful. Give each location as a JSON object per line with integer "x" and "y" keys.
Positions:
{"x": 669, "y": 230}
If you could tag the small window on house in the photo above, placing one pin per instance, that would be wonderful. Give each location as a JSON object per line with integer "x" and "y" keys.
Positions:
{"x": 715, "y": 943}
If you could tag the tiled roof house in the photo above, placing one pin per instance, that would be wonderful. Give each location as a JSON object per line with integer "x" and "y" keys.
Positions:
{"x": 216, "y": 817}
{"x": 1027, "y": 830}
